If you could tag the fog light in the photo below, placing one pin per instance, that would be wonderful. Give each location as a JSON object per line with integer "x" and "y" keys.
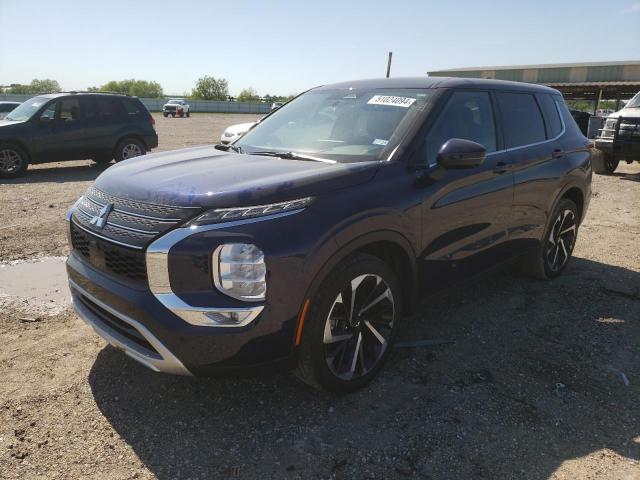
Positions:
{"x": 239, "y": 271}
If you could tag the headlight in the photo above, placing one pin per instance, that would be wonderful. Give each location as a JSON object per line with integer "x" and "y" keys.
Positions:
{"x": 239, "y": 271}
{"x": 239, "y": 213}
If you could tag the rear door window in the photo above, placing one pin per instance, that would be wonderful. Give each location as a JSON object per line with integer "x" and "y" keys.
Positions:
{"x": 551, "y": 115}
{"x": 467, "y": 115}
{"x": 521, "y": 119}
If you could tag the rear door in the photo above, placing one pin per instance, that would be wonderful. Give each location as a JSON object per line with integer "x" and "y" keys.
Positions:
{"x": 531, "y": 139}
{"x": 465, "y": 213}
{"x": 102, "y": 119}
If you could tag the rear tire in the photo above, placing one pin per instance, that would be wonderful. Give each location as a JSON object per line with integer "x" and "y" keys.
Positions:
{"x": 129, "y": 148}
{"x": 350, "y": 326}
{"x": 604, "y": 163}
{"x": 13, "y": 161}
{"x": 552, "y": 256}
{"x": 165, "y": 115}
{"x": 188, "y": 114}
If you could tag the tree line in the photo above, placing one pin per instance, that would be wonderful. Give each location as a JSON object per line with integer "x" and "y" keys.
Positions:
{"x": 206, "y": 88}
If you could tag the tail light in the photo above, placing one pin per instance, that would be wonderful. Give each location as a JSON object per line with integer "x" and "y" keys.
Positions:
{"x": 153, "y": 121}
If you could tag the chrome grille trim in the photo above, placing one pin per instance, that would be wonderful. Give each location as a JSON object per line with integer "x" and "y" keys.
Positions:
{"x": 127, "y": 222}
{"x": 119, "y": 203}
{"x": 122, "y": 244}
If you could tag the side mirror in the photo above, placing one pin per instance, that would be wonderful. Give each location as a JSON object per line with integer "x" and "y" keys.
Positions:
{"x": 45, "y": 120}
{"x": 460, "y": 153}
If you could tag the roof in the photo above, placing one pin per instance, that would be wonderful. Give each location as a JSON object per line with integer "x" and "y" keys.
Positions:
{"x": 65, "y": 94}
{"x": 438, "y": 82}
{"x": 543, "y": 65}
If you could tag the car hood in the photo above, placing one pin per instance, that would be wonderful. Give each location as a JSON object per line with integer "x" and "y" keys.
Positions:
{"x": 633, "y": 112}
{"x": 9, "y": 123}
{"x": 207, "y": 177}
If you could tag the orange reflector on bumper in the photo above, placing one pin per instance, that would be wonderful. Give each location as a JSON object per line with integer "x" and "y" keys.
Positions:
{"x": 303, "y": 315}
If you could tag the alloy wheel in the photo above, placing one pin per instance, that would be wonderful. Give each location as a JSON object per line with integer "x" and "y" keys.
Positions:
{"x": 359, "y": 327}
{"x": 10, "y": 161}
{"x": 131, "y": 150}
{"x": 561, "y": 240}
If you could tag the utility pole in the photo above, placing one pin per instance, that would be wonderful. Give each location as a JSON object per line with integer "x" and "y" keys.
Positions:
{"x": 389, "y": 64}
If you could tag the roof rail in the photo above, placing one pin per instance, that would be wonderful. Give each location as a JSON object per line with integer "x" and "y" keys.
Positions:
{"x": 87, "y": 91}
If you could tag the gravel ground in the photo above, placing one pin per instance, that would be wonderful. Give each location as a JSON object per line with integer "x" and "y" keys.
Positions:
{"x": 527, "y": 380}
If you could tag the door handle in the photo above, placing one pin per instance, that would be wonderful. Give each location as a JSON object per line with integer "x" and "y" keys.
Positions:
{"x": 502, "y": 167}
{"x": 557, "y": 153}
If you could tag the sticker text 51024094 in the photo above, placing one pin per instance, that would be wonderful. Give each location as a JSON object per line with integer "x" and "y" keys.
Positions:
{"x": 391, "y": 100}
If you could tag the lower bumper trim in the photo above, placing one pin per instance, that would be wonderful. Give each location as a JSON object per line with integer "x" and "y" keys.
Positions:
{"x": 163, "y": 361}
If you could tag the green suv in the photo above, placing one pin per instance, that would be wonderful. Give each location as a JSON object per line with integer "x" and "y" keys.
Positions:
{"x": 74, "y": 126}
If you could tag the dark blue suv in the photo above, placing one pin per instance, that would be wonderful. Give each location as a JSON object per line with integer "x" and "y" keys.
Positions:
{"x": 302, "y": 244}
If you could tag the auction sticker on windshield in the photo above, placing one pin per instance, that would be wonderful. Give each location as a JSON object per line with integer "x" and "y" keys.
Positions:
{"x": 392, "y": 101}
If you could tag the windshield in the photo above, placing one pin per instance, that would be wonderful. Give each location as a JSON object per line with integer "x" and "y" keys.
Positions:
{"x": 346, "y": 125}
{"x": 634, "y": 102}
{"x": 174, "y": 102}
{"x": 27, "y": 109}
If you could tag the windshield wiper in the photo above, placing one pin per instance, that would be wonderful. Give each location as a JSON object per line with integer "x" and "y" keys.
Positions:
{"x": 290, "y": 156}
{"x": 226, "y": 148}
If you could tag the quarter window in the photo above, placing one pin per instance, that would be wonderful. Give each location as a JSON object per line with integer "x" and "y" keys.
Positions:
{"x": 467, "y": 115}
{"x": 131, "y": 108}
{"x": 521, "y": 119}
{"x": 551, "y": 116}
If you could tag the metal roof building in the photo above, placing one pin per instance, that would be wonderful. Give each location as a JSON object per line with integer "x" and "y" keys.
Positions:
{"x": 577, "y": 81}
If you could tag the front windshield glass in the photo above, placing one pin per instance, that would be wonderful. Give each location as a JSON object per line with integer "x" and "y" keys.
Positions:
{"x": 634, "y": 102}
{"x": 171, "y": 102}
{"x": 27, "y": 109}
{"x": 346, "y": 125}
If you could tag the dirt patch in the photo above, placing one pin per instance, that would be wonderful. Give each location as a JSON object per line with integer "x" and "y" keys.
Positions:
{"x": 534, "y": 380}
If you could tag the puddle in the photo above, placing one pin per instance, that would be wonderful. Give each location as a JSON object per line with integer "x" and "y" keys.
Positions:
{"x": 39, "y": 285}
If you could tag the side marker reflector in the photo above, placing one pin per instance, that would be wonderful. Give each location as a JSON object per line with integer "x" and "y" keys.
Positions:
{"x": 303, "y": 315}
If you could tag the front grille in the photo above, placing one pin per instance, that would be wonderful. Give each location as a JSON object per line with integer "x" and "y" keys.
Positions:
{"x": 118, "y": 325}
{"x": 130, "y": 222}
{"x": 116, "y": 260}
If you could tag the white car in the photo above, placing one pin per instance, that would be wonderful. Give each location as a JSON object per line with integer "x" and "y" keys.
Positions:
{"x": 234, "y": 132}
{"x": 176, "y": 107}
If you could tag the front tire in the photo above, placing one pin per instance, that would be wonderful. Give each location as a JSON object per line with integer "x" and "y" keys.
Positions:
{"x": 604, "y": 163}
{"x": 555, "y": 250}
{"x": 13, "y": 161}
{"x": 129, "y": 148}
{"x": 188, "y": 114}
{"x": 350, "y": 326}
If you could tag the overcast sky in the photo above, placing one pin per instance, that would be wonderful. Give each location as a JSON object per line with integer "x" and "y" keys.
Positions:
{"x": 284, "y": 47}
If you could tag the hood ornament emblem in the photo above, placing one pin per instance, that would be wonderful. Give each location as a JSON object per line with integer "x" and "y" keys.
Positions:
{"x": 100, "y": 219}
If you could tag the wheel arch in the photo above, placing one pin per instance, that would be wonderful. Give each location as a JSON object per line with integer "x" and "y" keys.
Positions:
{"x": 576, "y": 195}
{"x": 391, "y": 247}
{"x": 20, "y": 144}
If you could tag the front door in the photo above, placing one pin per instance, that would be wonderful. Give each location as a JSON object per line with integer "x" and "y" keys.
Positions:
{"x": 62, "y": 137}
{"x": 465, "y": 213}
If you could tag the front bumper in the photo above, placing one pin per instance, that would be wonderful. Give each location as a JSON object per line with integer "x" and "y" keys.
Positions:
{"x": 162, "y": 323}
{"x": 119, "y": 332}
{"x": 620, "y": 148}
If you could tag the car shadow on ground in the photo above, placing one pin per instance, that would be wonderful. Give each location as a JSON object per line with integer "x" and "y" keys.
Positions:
{"x": 530, "y": 375}
{"x": 58, "y": 173}
{"x": 634, "y": 177}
